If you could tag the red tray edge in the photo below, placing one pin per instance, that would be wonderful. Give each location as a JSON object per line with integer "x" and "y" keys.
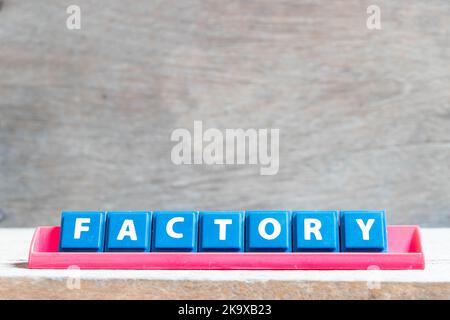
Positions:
{"x": 230, "y": 261}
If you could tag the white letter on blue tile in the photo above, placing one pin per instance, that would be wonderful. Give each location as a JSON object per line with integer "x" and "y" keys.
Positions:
{"x": 127, "y": 230}
{"x": 313, "y": 226}
{"x": 365, "y": 228}
{"x": 276, "y": 228}
{"x": 223, "y": 227}
{"x": 169, "y": 228}
{"x": 79, "y": 227}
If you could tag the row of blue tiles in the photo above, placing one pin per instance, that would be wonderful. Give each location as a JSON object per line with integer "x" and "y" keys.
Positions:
{"x": 230, "y": 231}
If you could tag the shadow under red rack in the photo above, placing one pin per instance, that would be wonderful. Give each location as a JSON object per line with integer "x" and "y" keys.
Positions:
{"x": 404, "y": 252}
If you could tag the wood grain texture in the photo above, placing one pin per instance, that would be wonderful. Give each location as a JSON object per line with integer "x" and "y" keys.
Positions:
{"x": 86, "y": 115}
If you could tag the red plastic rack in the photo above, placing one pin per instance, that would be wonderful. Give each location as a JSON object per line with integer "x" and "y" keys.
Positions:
{"x": 404, "y": 252}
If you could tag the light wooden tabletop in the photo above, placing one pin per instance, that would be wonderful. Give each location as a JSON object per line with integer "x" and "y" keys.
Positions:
{"x": 17, "y": 281}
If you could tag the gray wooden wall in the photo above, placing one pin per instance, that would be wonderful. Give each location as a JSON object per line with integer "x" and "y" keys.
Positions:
{"x": 86, "y": 116}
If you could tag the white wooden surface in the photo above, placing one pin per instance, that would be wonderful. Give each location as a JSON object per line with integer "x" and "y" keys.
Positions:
{"x": 16, "y": 281}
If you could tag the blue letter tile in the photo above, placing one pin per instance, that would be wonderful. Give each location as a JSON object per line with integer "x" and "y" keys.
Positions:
{"x": 82, "y": 231}
{"x": 268, "y": 231}
{"x": 221, "y": 231}
{"x": 363, "y": 231}
{"x": 315, "y": 231}
{"x": 175, "y": 231}
{"x": 128, "y": 231}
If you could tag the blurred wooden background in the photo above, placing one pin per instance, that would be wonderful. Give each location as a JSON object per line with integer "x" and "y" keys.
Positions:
{"x": 86, "y": 116}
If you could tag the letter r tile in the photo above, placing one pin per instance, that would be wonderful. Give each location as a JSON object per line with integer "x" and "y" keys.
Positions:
{"x": 315, "y": 231}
